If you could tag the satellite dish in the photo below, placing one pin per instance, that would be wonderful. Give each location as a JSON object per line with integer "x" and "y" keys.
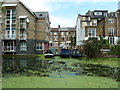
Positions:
{"x": 27, "y": 20}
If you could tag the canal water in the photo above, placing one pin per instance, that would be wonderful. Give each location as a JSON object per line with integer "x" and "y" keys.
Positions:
{"x": 33, "y": 65}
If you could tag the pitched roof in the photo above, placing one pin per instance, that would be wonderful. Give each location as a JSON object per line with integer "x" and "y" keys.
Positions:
{"x": 28, "y": 9}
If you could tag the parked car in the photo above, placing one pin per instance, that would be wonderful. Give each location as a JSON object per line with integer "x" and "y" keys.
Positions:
{"x": 76, "y": 53}
{"x": 65, "y": 53}
{"x": 49, "y": 54}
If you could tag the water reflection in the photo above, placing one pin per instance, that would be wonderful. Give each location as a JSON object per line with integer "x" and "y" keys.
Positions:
{"x": 31, "y": 65}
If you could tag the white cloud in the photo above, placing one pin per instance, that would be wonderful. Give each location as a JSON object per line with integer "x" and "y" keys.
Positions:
{"x": 62, "y": 21}
{"x": 38, "y": 5}
{"x": 48, "y": 5}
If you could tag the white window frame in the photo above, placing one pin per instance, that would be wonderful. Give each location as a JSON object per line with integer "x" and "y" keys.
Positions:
{"x": 111, "y": 31}
{"x": 55, "y": 38}
{"x": 97, "y": 13}
{"x": 55, "y": 33}
{"x": 110, "y": 20}
{"x": 62, "y": 33}
{"x": 94, "y": 22}
{"x": 111, "y": 40}
{"x": 23, "y": 46}
{"x": 11, "y": 30}
{"x": 39, "y": 44}
{"x": 90, "y": 30}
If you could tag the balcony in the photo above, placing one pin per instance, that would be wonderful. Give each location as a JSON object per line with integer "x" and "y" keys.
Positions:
{"x": 23, "y": 26}
{"x": 9, "y": 49}
{"x": 9, "y": 36}
{"x": 23, "y": 37}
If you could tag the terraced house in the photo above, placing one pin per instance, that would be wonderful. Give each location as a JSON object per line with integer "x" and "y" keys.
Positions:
{"x": 23, "y": 31}
{"x": 98, "y": 23}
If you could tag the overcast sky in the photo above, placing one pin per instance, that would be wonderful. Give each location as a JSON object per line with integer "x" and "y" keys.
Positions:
{"x": 64, "y": 12}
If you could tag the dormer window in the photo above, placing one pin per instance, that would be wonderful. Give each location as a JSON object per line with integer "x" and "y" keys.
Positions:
{"x": 111, "y": 21}
{"x": 97, "y": 13}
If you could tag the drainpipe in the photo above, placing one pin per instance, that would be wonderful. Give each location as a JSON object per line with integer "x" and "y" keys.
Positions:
{"x": 43, "y": 48}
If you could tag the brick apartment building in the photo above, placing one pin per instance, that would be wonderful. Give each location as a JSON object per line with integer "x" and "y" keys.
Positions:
{"x": 23, "y": 31}
{"x": 61, "y": 37}
{"x": 118, "y": 23}
{"x": 97, "y": 23}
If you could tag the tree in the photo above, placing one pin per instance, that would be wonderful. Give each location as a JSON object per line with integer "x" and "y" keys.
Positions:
{"x": 104, "y": 43}
{"x": 115, "y": 50}
{"x": 73, "y": 41}
{"x": 1, "y": 9}
{"x": 92, "y": 48}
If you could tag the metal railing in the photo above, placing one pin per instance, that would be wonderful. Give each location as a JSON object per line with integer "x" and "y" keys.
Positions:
{"x": 23, "y": 36}
{"x": 23, "y": 25}
{"x": 9, "y": 36}
{"x": 9, "y": 48}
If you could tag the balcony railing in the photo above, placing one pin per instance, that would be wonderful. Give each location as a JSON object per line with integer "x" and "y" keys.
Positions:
{"x": 9, "y": 49}
{"x": 9, "y": 36}
{"x": 23, "y": 36}
{"x": 23, "y": 25}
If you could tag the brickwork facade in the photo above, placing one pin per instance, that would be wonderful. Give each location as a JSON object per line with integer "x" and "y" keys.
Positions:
{"x": 23, "y": 31}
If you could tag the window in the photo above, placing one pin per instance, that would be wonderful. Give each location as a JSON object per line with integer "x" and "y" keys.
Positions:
{"x": 10, "y": 19}
{"x": 50, "y": 39}
{"x": 66, "y": 33}
{"x": 95, "y": 23}
{"x": 23, "y": 34}
{"x": 62, "y": 33}
{"x": 13, "y": 34}
{"x": 23, "y": 46}
{"x": 38, "y": 46}
{"x": 55, "y": 44}
{"x": 50, "y": 44}
{"x": 97, "y": 13}
{"x": 62, "y": 38}
{"x": 23, "y": 23}
{"x": 50, "y": 33}
{"x": 105, "y": 14}
{"x": 111, "y": 21}
{"x": 91, "y": 32}
{"x": 88, "y": 23}
{"x": 55, "y": 33}
{"x": 111, "y": 40}
{"x": 55, "y": 38}
{"x": 111, "y": 31}
{"x": 40, "y": 15}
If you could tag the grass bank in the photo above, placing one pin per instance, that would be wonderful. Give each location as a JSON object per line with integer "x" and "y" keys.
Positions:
{"x": 111, "y": 62}
{"x": 67, "y": 82}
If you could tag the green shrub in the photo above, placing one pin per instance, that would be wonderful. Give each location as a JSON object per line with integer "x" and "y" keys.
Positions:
{"x": 92, "y": 48}
{"x": 115, "y": 50}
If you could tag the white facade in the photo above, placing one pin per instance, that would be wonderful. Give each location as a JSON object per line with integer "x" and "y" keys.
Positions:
{"x": 80, "y": 33}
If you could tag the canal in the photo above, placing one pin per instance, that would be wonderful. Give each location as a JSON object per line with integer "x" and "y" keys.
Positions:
{"x": 53, "y": 68}
{"x": 33, "y": 65}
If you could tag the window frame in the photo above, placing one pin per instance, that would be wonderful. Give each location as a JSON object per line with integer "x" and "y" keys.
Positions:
{"x": 110, "y": 20}
{"x": 111, "y": 31}
{"x": 23, "y": 46}
{"x": 90, "y": 30}
{"x": 111, "y": 40}
{"x": 39, "y": 46}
